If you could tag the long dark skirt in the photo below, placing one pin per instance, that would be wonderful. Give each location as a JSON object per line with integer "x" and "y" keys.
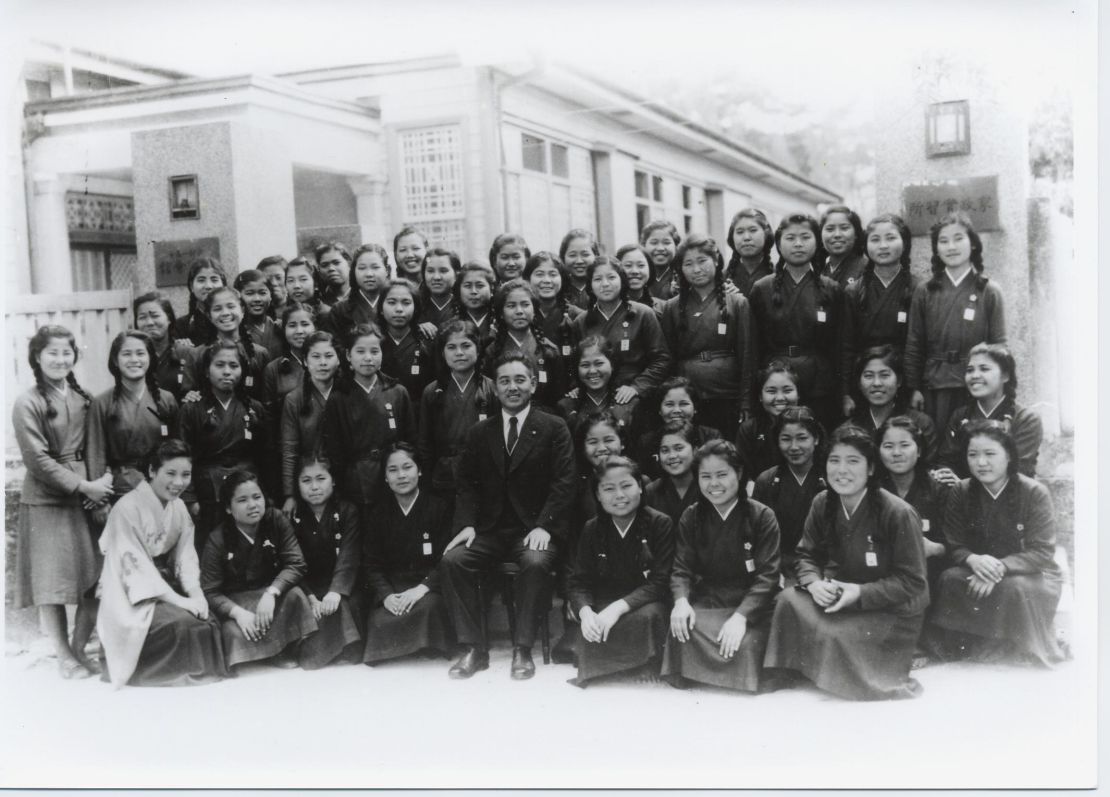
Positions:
{"x": 699, "y": 658}
{"x": 1020, "y": 610}
{"x": 636, "y": 640}
{"x": 293, "y": 621}
{"x": 336, "y": 632}
{"x": 180, "y": 650}
{"x": 854, "y": 654}
{"x": 940, "y": 403}
{"x": 425, "y": 627}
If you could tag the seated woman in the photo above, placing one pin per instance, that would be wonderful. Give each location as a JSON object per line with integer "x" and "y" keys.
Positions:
{"x": 1000, "y": 598}
{"x": 596, "y": 391}
{"x": 618, "y": 582}
{"x": 330, "y": 538}
{"x": 789, "y": 488}
{"x": 851, "y": 624}
{"x": 726, "y": 573}
{"x": 250, "y": 572}
{"x": 675, "y": 490}
{"x": 678, "y": 403}
{"x": 153, "y": 622}
{"x": 411, "y": 529}
{"x": 881, "y": 387}
{"x": 991, "y": 379}
{"x": 901, "y": 443}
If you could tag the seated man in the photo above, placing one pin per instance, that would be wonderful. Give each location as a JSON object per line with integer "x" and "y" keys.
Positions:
{"x": 515, "y": 487}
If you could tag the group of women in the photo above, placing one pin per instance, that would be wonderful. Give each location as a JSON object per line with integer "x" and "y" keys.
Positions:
{"x": 811, "y": 466}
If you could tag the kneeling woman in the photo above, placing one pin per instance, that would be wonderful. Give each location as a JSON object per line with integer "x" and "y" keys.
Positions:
{"x": 153, "y": 622}
{"x": 411, "y": 528}
{"x": 851, "y": 624}
{"x": 726, "y": 573}
{"x": 250, "y": 570}
{"x": 1000, "y": 598}
{"x": 331, "y": 541}
{"x": 618, "y": 581}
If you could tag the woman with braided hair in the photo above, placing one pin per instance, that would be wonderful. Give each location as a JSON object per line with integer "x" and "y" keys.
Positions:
{"x": 843, "y": 242}
{"x": 205, "y": 275}
{"x": 709, "y": 334}
{"x": 796, "y": 313}
{"x": 550, "y": 280}
{"x": 751, "y": 240}
{"x": 225, "y": 310}
{"x": 174, "y": 357}
{"x": 56, "y": 562}
{"x": 515, "y": 318}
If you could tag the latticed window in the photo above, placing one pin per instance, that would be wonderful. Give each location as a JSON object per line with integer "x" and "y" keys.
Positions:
{"x": 432, "y": 181}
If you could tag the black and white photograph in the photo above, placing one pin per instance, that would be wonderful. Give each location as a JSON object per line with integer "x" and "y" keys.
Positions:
{"x": 578, "y": 395}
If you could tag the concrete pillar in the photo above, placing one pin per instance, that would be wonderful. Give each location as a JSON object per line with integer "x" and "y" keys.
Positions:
{"x": 372, "y": 200}
{"x": 603, "y": 190}
{"x": 51, "y": 268}
{"x": 717, "y": 228}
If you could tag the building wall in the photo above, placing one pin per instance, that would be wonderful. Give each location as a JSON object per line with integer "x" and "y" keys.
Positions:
{"x": 999, "y": 146}
{"x": 322, "y": 199}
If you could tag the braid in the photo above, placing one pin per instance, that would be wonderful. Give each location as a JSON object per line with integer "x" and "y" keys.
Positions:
{"x": 776, "y": 284}
{"x": 938, "y": 270}
{"x": 71, "y": 380}
{"x": 831, "y": 500}
{"x": 41, "y": 386}
{"x": 683, "y": 297}
{"x": 907, "y": 292}
{"x": 719, "y": 292}
{"x": 865, "y": 286}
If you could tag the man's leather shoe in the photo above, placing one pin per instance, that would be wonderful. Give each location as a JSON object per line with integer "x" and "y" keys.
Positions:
{"x": 523, "y": 668}
{"x": 470, "y": 662}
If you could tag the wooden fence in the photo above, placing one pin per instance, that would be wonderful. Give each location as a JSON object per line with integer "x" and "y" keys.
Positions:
{"x": 94, "y": 318}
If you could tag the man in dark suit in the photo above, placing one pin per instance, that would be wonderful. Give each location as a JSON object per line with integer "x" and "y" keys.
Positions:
{"x": 515, "y": 489}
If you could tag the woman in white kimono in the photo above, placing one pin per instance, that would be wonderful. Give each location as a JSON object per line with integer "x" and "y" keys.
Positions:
{"x": 154, "y": 623}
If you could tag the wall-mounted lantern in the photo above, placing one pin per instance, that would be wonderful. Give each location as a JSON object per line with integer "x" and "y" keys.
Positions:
{"x": 184, "y": 197}
{"x": 948, "y": 129}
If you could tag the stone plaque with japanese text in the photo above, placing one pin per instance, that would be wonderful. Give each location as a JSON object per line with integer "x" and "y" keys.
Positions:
{"x": 172, "y": 259}
{"x": 924, "y": 203}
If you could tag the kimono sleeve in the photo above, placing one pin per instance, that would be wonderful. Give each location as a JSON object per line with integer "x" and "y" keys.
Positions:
{"x": 374, "y": 562}
{"x": 955, "y": 522}
{"x": 579, "y": 580}
{"x": 916, "y": 339}
{"x": 661, "y": 534}
{"x": 467, "y": 487}
{"x": 996, "y": 324}
{"x": 656, "y": 353}
{"x": 768, "y": 559}
{"x": 333, "y": 442}
{"x": 29, "y": 420}
{"x": 96, "y": 435}
{"x": 441, "y": 535}
{"x": 186, "y": 564}
{"x": 1027, "y": 433}
{"x": 122, "y": 543}
{"x": 745, "y": 351}
{"x": 425, "y": 430}
{"x": 290, "y": 435}
{"x": 212, "y": 576}
{"x": 848, "y": 342}
{"x": 685, "y": 569}
{"x": 906, "y": 580}
{"x": 1039, "y": 534}
{"x": 350, "y": 545}
{"x": 293, "y": 566}
{"x": 812, "y": 553}
{"x": 560, "y": 494}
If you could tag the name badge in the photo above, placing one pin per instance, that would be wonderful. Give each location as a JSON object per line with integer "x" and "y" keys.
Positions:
{"x": 871, "y": 558}
{"x": 969, "y": 314}
{"x": 180, "y": 378}
{"x": 722, "y": 329}
{"x": 566, "y": 351}
{"x": 624, "y": 344}
{"x": 165, "y": 430}
{"x": 902, "y": 317}
{"x": 249, "y": 381}
{"x": 427, "y": 548}
{"x": 925, "y": 524}
{"x": 749, "y": 565}
{"x": 482, "y": 416}
{"x": 246, "y": 434}
{"x": 415, "y": 370}
{"x": 543, "y": 377}
{"x": 392, "y": 423}
{"x": 821, "y": 316}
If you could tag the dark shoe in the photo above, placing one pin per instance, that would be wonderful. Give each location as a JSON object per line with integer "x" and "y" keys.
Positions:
{"x": 470, "y": 662}
{"x": 284, "y": 661}
{"x": 522, "y": 668}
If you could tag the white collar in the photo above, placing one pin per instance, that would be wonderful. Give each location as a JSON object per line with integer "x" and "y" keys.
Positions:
{"x": 478, "y": 321}
{"x": 886, "y": 284}
{"x": 371, "y": 303}
{"x": 462, "y": 388}
{"x": 956, "y": 283}
{"x": 1001, "y": 489}
{"x": 520, "y": 418}
{"x": 844, "y": 509}
{"x": 623, "y": 532}
{"x": 605, "y": 315}
{"x": 321, "y": 392}
{"x": 225, "y": 406}
{"x": 798, "y": 280}
{"x": 724, "y": 515}
{"x": 400, "y": 340}
{"x": 401, "y": 506}
{"x": 368, "y": 390}
{"x": 519, "y": 343}
{"x": 439, "y": 306}
{"x": 245, "y": 535}
{"x": 986, "y": 414}
{"x": 802, "y": 480}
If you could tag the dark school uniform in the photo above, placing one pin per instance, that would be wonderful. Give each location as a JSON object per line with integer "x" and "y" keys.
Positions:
{"x": 253, "y": 371}
{"x": 195, "y": 328}
{"x": 640, "y": 354}
{"x": 715, "y": 354}
{"x": 551, "y": 380}
{"x": 281, "y": 376}
{"x": 756, "y": 444}
{"x": 578, "y": 297}
{"x": 222, "y": 440}
{"x": 944, "y": 324}
{"x": 402, "y": 552}
{"x": 634, "y": 567}
{"x": 300, "y": 433}
{"x": 724, "y": 566}
{"x": 235, "y": 572}
{"x": 929, "y": 498}
{"x": 487, "y": 330}
{"x": 266, "y": 334}
{"x": 120, "y": 434}
{"x": 175, "y": 368}
{"x": 409, "y": 361}
{"x": 662, "y": 496}
{"x": 863, "y": 652}
{"x": 504, "y": 495}
{"x": 348, "y": 313}
{"x": 647, "y": 448}
{"x": 357, "y": 429}
{"x": 332, "y": 548}
{"x": 645, "y": 298}
{"x": 1024, "y": 426}
{"x": 779, "y": 489}
{"x": 745, "y": 280}
{"x": 874, "y": 315}
{"x": 433, "y": 313}
{"x": 558, "y": 327}
{"x": 663, "y": 286}
{"x": 863, "y": 418}
{"x": 55, "y": 558}
{"x": 848, "y": 271}
{"x": 804, "y": 331}
{"x": 332, "y": 294}
{"x": 446, "y": 415}
{"x": 573, "y": 410}
{"x": 1018, "y": 528}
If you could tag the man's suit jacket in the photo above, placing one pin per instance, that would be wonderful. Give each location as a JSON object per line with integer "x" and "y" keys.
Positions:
{"x": 538, "y": 479}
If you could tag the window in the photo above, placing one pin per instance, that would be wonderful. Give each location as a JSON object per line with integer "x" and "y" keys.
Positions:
{"x": 657, "y": 189}
{"x": 103, "y": 268}
{"x": 549, "y": 190}
{"x": 432, "y": 196}
{"x": 560, "y": 166}
{"x": 642, "y": 185}
{"x": 687, "y": 209}
{"x": 948, "y": 129}
{"x": 649, "y": 193}
{"x": 533, "y": 153}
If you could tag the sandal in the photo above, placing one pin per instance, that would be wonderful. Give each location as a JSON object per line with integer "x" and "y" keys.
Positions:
{"x": 72, "y": 670}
